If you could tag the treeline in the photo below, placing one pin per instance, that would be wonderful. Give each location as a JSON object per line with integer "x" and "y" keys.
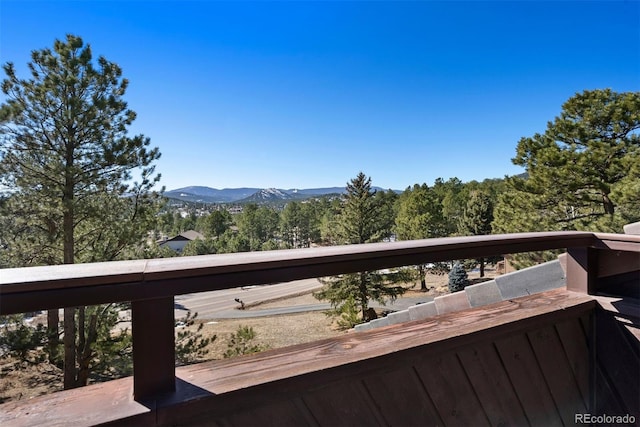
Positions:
{"x": 445, "y": 208}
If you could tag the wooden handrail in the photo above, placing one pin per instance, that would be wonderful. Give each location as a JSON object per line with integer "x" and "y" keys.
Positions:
{"x": 152, "y": 284}
{"x": 47, "y": 287}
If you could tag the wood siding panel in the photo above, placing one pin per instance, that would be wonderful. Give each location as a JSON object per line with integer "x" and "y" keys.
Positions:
{"x": 492, "y": 385}
{"x": 574, "y": 343}
{"x": 344, "y": 404}
{"x": 278, "y": 414}
{"x": 402, "y": 399}
{"x": 362, "y": 379}
{"x": 607, "y": 400}
{"x": 529, "y": 382}
{"x": 557, "y": 373}
{"x": 448, "y": 386}
{"x": 618, "y": 360}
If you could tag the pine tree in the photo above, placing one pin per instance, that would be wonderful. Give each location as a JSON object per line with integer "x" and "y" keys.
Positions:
{"x": 579, "y": 168}
{"x": 458, "y": 278}
{"x": 360, "y": 222}
{"x": 477, "y": 218}
{"x": 300, "y": 224}
{"x": 66, "y": 157}
{"x": 419, "y": 217}
{"x": 581, "y": 173}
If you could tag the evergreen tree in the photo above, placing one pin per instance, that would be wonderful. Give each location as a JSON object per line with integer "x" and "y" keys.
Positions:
{"x": 242, "y": 342}
{"x": 419, "y": 217}
{"x": 217, "y": 222}
{"x": 191, "y": 346}
{"x": 329, "y": 226}
{"x": 581, "y": 173}
{"x": 200, "y": 247}
{"x": 477, "y": 218}
{"x": 300, "y": 224}
{"x": 20, "y": 340}
{"x": 387, "y": 201}
{"x": 359, "y": 222}
{"x": 458, "y": 278}
{"x": 452, "y": 198}
{"x": 66, "y": 156}
{"x": 258, "y": 225}
{"x": 578, "y": 170}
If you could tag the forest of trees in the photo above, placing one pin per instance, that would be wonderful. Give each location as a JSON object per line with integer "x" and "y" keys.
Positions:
{"x": 446, "y": 208}
{"x": 80, "y": 189}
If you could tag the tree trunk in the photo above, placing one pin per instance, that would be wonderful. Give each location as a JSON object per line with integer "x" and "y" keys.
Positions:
{"x": 85, "y": 353}
{"x": 423, "y": 279}
{"x": 364, "y": 297}
{"x": 81, "y": 335}
{"x": 481, "y": 267}
{"x": 608, "y": 205}
{"x": 69, "y": 258}
{"x": 53, "y": 337}
{"x": 69, "y": 348}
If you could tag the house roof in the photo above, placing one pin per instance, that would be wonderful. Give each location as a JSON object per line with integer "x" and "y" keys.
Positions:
{"x": 182, "y": 237}
{"x": 191, "y": 235}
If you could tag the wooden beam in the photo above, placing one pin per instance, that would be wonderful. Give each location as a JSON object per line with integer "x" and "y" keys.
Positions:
{"x": 582, "y": 270}
{"x": 153, "y": 330}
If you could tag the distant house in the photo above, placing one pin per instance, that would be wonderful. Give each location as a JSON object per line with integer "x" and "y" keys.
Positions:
{"x": 178, "y": 242}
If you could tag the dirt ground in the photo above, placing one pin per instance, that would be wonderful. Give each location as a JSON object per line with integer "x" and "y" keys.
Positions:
{"x": 20, "y": 381}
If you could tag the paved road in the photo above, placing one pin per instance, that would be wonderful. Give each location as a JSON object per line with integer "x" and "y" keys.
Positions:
{"x": 222, "y": 304}
{"x": 210, "y": 304}
{"x": 399, "y": 304}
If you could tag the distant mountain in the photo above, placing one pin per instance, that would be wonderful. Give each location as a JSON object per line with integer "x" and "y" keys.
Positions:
{"x": 203, "y": 194}
{"x": 317, "y": 191}
{"x": 210, "y": 195}
{"x": 267, "y": 195}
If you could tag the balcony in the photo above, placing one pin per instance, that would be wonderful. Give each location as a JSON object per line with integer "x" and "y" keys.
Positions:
{"x": 535, "y": 360}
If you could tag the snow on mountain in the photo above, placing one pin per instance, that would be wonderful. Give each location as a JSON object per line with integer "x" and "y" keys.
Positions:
{"x": 241, "y": 195}
{"x": 268, "y": 194}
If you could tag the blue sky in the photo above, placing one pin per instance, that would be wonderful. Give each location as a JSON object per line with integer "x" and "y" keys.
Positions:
{"x": 307, "y": 94}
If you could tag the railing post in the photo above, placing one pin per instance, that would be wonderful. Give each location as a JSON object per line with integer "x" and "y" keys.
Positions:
{"x": 582, "y": 270}
{"x": 153, "y": 330}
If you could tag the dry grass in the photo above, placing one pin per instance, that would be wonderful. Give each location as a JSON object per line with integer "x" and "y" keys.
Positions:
{"x": 272, "y": 331}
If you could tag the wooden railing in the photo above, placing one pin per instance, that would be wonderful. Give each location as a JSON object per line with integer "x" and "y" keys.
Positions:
{"x": 151, "y": 285}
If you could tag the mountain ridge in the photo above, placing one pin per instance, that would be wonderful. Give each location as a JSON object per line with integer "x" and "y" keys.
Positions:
{"x": 204, "y": 194}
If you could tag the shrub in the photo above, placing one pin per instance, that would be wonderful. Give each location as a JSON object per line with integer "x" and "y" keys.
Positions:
{"x": 349, "y": 314}
{"x": 20, "y": 340}
{"x": 458, "y": 278}
{"x": 191, "y": 346}
{"x": 241, "y": 343}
